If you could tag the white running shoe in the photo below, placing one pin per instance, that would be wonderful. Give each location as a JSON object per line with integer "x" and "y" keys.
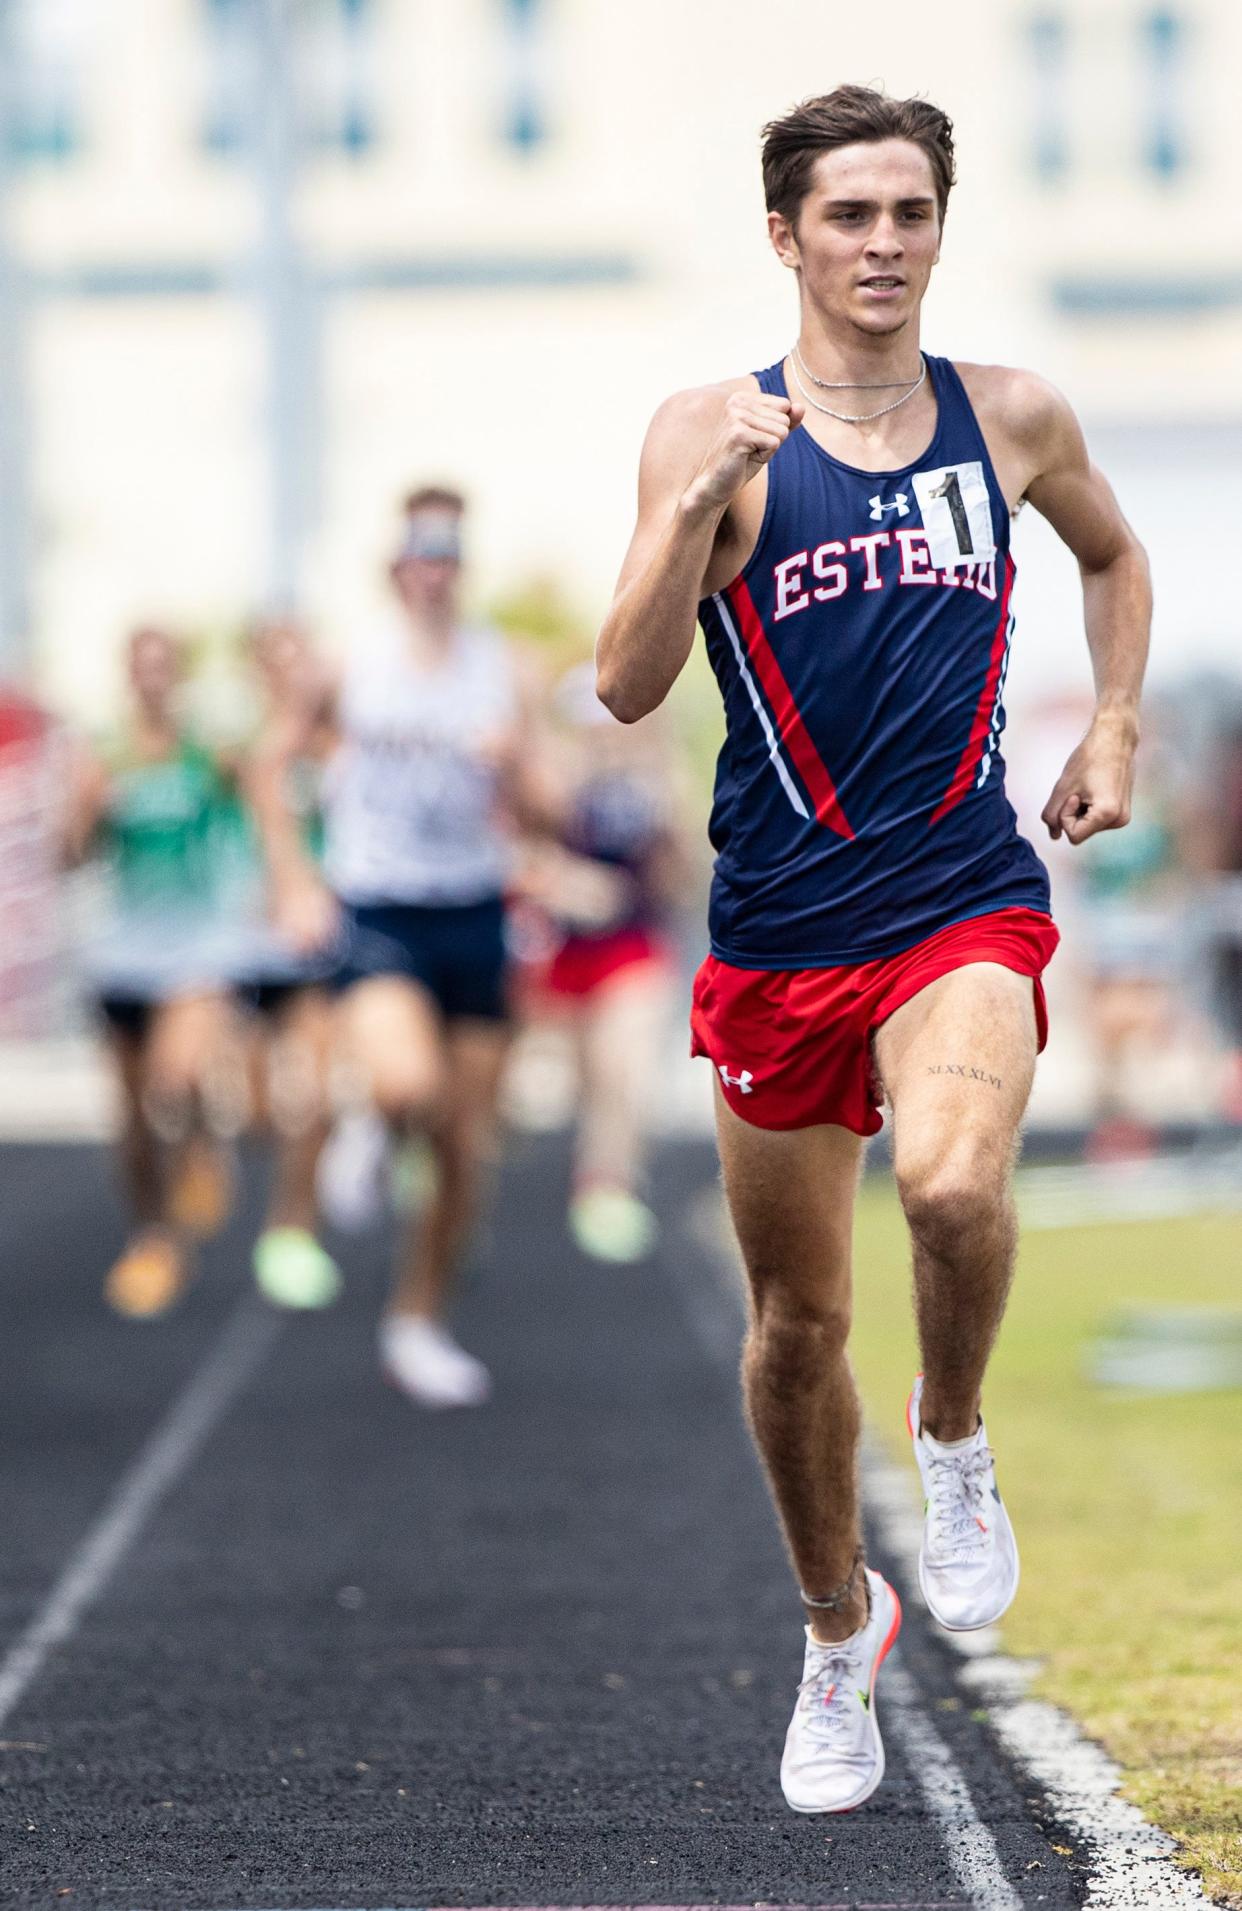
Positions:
{"x": 968, "y": 1562}
{"x": 422, "y": 1359}
{"x": 834, "y": 1756}
{"x": 352, "y": 1180}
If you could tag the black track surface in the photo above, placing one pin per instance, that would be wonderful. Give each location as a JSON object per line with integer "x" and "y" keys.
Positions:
{"x": 540, "y": 1654}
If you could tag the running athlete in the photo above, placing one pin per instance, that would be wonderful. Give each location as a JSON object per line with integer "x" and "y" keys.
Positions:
{"x": 149, "y": 804}
{"x": 608, "y": 888}
{"x": 840, "y": 525}
{"x": 281, "y": 989}
{"x": 429, "y": 719}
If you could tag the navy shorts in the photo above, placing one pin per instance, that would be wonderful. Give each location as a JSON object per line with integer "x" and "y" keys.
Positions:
{"x": 270, "y": 1000}
{"x": 457, "y": 952}
{"x": 127, "y": 1015}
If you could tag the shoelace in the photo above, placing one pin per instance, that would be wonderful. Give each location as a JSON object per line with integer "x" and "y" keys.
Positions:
{"x": 826, "y": 1692}
{"x": 957, "y": 1492}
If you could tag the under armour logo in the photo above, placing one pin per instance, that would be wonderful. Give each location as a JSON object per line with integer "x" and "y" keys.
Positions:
{"x": 742, "y": 1081}
{"x": 898, "y": 505}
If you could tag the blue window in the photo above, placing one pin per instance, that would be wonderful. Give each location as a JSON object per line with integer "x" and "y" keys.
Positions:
{"x": 524, "y": 115}
{"x": 1048, "y": 40}
{"x": 230, "y": 74}
{"x": 1164, "y": 37}
{"x": 330, "y": 51}
{"x": 44, "y": 83}
{"x": 339, "y": 75}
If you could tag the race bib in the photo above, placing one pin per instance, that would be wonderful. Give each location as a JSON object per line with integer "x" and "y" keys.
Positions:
{"x": 957, "y": 514}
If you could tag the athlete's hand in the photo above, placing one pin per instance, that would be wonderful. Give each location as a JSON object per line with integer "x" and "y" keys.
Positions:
{"x": 1094, "y": 789}
{"x": 305, "y": 914}
{"x": 754, "y": 427}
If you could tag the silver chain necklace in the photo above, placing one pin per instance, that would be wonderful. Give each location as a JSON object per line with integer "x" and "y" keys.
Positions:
{"x": 846, "y": 417}
{"x": 847, "y": 384}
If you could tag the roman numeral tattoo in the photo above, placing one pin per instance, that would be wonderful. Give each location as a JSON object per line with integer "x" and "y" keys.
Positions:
{"x": 964, "y": 1072}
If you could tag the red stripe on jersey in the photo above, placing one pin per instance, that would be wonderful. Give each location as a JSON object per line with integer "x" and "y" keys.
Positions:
{"x": 789, "y": 725}
{"x": 972, "y": 755}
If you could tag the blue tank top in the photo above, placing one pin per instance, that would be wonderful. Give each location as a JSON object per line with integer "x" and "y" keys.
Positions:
{"x": 861, "y": 654}
{"x": 619, "y": 820}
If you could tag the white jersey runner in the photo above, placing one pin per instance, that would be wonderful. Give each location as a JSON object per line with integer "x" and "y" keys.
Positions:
{"x": 410, "y": 798}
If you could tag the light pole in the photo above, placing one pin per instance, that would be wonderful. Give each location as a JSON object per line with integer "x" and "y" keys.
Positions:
{"x": 15, "y": 510}
{"x": 288, "y": 301}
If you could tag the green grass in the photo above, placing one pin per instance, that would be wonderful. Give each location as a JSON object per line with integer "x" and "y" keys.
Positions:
{"x": 1128, "y": 1507}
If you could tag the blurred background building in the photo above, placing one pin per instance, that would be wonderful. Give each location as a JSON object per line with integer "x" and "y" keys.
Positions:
{"x": 265, "y": 262}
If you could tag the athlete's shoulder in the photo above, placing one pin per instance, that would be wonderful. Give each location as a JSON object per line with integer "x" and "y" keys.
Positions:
{"x": 1025, "y": 407}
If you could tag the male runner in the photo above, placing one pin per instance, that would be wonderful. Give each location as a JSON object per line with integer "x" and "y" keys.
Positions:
{"x": 430, "y": 722}
{"x": 840, "y": 525}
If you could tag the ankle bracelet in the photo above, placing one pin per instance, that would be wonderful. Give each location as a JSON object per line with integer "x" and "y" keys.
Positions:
{"x": 839, "y": 1597}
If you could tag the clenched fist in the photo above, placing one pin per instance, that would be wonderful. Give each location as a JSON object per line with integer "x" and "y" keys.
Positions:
{"x": 753, "y": 427}
{"x": 306, "y": 914}
{"x": 1093, "y": 791}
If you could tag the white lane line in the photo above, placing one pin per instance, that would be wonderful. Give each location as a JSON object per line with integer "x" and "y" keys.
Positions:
{"x": 715, "y": 1313}
{"x": 968, "y": 1844}
{"x": 1132, "y": 1866}
{"x": 1083, "y": 1194}
{"x": 244, "y": 1341}
{"x": 1131, "y": 1859}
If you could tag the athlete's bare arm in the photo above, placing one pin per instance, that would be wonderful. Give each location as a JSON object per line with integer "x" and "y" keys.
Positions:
{"x": 1043, "y": 457}
{"x": 703, "y": 450}
{"x": 302, "y": 907}
{"x": 86, "y": 805}
{"x": 528, "y": 792}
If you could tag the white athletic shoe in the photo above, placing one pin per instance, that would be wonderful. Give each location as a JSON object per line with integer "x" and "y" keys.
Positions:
{"x": 834, "y": 1756}
{"x": 352, "y": 1180}
{"x": 968, "y": 1561}
{"x": 422, "y": 1359}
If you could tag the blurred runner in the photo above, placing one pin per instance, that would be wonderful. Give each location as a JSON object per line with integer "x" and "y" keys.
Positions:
{"x": 282, "y": 988}
{"x": 1131, "y": 890}
{"x": 608, "y": 889}
{"x": 149, "y": 804}
{"x": 432, "y": 728}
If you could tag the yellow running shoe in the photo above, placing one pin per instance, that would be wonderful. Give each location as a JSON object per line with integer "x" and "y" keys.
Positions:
{"x": 610, "y": 1224}
{"x": 202, "y": 1195}
{"x": 148, "y": 1279}
{"x": 292, "y": 1270}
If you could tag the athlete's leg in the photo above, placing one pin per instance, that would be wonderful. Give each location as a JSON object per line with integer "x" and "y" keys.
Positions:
{"x": 463, "y": 1139}
{"x": 619, "y": 1049}
{"x": 151, "y": 1271}
{"x": 142, "y": 1166}
{"x": 300, "y": 1049}
{"x": 188, "y": 1036}
{"x": 393, "y": 1034}
{"x": 957, "y": 1062}
{"x": 791, "y": 1196}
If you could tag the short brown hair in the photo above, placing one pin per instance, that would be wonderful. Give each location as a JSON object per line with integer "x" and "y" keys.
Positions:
{"x": 792, "y": 145}
{"x": 433, "y": 497}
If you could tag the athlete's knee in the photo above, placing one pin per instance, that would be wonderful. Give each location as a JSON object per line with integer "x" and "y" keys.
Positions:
{"x": 953, "y": 1196}
{"x": 793, "y": 1334}
{"x": 408, "y": 1095}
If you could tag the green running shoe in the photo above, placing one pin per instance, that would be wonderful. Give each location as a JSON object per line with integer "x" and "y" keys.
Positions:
{"x": 612, "y": 1225}
{"x": 292, "y": 1270}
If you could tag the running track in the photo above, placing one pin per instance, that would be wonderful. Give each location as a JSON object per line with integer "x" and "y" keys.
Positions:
{"x": 274, "y": 1639}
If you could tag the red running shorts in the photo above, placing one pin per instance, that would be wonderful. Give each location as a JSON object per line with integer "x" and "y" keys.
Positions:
{"x": 584, "y": 964}
{"x": 792, "y": 1047}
